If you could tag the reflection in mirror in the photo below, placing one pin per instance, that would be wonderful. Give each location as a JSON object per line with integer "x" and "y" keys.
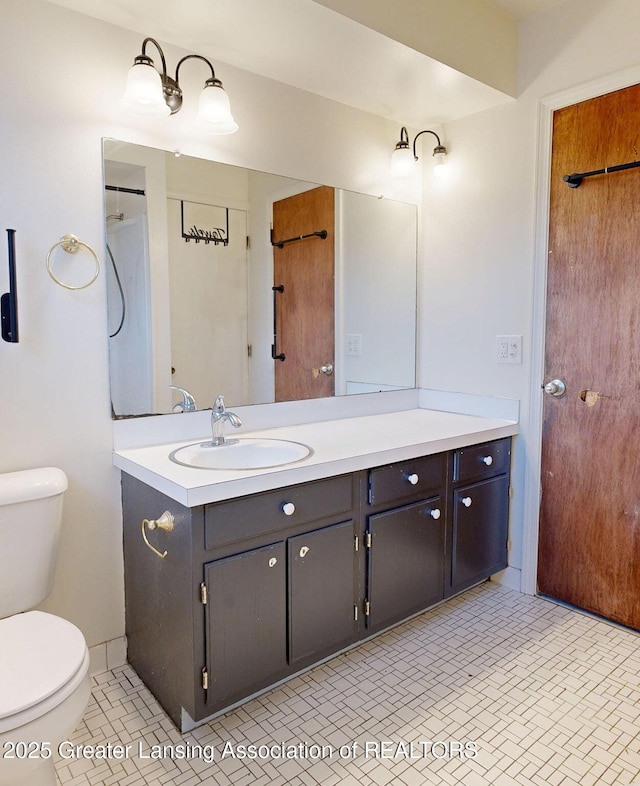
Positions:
{"x": 256, "y": 286}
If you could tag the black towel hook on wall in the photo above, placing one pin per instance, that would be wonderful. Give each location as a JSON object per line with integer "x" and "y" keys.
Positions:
{"x": 9, "y": 301}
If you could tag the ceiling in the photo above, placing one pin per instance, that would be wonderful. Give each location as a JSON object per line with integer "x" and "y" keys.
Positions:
{"x": 303, "y": 44}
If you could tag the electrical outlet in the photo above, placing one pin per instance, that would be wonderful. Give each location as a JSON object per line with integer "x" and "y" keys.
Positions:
{"x": 509, "y": 349}
{"x": 502, "y": 349}
{"x": 353, "y": 343}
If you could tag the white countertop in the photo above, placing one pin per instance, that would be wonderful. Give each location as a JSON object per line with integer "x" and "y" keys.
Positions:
{"x": 339, "y": 446}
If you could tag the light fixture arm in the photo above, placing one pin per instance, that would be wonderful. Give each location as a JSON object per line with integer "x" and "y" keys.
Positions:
{"x": 148, "y": 59}
{"x": 416, "y": 139}
{"x": 197, "y": 57}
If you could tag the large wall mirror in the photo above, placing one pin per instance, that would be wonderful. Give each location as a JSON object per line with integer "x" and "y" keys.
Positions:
{"x": 256, "y": 286}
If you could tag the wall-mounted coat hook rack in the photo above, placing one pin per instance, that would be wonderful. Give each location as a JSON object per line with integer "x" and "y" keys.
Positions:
{"x": 9, "y": 301}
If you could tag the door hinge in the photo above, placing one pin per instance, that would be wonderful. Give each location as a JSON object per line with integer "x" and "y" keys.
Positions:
{"x": 368, "y": 540}
{"x": 248, "y": 242}
{"x": 355, "y": 613}
{"x": 508, "y": 544}
{"x": 356, "y": 544}
{"x": 204, "y": 595}
{"x": 367, "y": 608}
{"x": 205, "y": 679}
{"x": 510, "y": 491}
{"x": 249, "y": 350}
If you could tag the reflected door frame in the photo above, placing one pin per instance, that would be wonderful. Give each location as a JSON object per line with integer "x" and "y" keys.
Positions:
{"x": 531, "y": 463}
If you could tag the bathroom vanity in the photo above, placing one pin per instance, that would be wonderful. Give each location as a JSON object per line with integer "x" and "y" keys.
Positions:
{"x": 270, "y": 572}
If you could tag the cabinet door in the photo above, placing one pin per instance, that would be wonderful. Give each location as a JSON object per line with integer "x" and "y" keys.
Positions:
{"x": 405, "y": 561}
{"x": 246, "y": 622}
{"x": 480, "y": 525}
{"x": 322, "y": 591}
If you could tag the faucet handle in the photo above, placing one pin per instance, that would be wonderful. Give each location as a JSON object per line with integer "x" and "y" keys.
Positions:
{"x": 188, "y": 403}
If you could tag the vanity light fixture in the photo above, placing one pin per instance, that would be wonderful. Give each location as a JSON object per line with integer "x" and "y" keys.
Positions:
{"x": 403, "y": 159}
{"x": 149, "y": 93}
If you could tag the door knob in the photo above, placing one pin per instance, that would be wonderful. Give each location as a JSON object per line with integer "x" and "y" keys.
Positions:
{"x": 326, "y": 369}
{"x": 555, "y": 388}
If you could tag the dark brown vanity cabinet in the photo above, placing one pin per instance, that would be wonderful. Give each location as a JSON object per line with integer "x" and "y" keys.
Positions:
{"x": 251, "y": 590}
{"x": 479, "y": 513}
{"x": 323, "y": 592}
{"x": 254, "y": 589}
{"x": 245, "y": 618}
{"x": 405, "y": 539}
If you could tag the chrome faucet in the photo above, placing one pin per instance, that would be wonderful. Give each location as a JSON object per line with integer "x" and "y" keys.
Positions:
{"x": 188, "y": 403}
{"x": 219, "y": 415}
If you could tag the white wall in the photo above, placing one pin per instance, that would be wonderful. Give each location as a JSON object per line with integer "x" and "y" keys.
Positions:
{"x": 480, "y": 226}
{"x": 67, "y": 75}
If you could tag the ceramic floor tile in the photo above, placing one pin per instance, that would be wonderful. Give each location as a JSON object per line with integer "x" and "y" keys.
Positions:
{"x": 491, "y": 688}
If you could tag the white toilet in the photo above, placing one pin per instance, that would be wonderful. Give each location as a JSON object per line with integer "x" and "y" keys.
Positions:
{"x": 44, "y": 660}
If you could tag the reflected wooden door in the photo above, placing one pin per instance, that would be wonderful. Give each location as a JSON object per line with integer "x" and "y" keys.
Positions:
{"x": 589, "y": 550}
{"x": 303, "y": 272}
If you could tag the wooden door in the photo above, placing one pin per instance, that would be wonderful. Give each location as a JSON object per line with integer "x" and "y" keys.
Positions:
{"x": 589, "y": 549}
{"x": 303, "y": 272}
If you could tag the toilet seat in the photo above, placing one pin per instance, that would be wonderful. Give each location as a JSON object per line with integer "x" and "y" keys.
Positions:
{"x": 43, "y": 659}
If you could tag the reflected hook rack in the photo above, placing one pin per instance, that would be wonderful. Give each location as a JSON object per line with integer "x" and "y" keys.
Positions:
{"x": 9, "y": 301}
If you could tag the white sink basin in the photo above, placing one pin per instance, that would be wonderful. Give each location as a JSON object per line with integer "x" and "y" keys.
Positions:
{"x": 241, "y": 454}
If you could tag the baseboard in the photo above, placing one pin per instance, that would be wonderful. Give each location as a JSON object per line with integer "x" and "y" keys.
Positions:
{"x": 510, "y": 578}
{"x": 108, "y": 655}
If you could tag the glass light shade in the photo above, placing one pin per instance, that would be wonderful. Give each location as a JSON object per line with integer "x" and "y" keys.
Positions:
{"x": 214, "y": 111}
{"x": 440, "y": 164}
{"x": 402, "y": 162}
{"x": 143, "y": 92}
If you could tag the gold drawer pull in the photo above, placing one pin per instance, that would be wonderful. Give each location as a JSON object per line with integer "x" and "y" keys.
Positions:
{"x": 165, "y": 522}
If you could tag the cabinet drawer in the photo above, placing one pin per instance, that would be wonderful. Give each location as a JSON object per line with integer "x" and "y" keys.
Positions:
{"x": 486, "y": 460}
{"x": 247, "y": 517}
{"x": 407, "y": 479}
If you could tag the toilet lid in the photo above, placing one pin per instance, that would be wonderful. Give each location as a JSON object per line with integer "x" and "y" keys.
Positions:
{"x": 39, "y": 654}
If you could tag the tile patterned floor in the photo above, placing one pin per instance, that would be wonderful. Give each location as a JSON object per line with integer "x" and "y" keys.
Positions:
{"x": 541, "y": 694}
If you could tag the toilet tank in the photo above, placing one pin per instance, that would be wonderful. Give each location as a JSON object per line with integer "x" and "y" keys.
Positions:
{"x": 30, "y": 518}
